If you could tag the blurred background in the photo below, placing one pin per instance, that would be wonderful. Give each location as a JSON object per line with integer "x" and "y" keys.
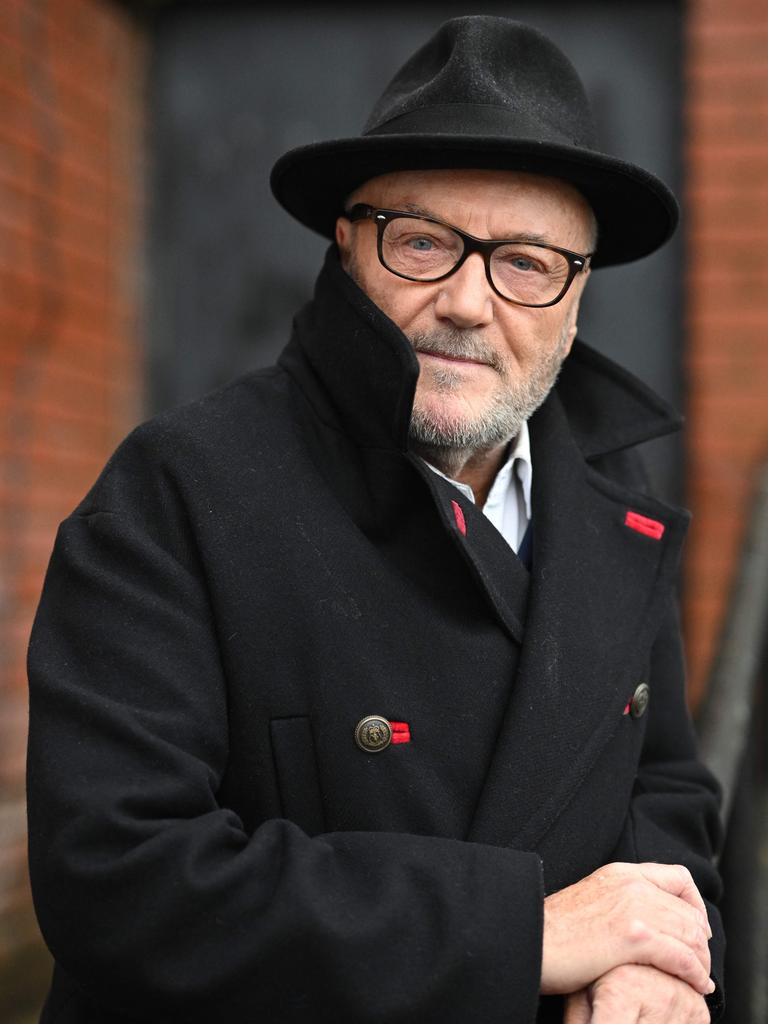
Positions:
{"x": 143, "y": 261}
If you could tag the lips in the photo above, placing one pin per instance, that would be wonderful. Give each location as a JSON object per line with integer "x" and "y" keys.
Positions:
{"x": 449, "y": 357}
{"x": 459, "y": 347}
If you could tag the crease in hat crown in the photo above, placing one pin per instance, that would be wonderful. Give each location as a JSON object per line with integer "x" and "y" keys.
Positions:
{"x": 445, "y": 72}
{"x": 484, "y": 92}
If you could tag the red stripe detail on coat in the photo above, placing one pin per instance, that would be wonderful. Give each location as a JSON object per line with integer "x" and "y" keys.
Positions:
{"x": 401, "y": 732}
{"x": 650, "y": 527}
{"x": 628, "y": 708}
{"x": 459, "y": 517}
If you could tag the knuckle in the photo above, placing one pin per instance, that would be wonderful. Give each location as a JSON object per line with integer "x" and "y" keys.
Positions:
{"x": 694, "y": 934}
{"x": 684, "y": 873}
{"x": 637, "y": 931}
{"x": 688, "y": 961}
{"x": 636, "y": 889}
{"x": 610, "y": 992}
{"x": 698, "y": 1011}
{"x": 619, "y": 975}
{"x": 668, "y": 1000}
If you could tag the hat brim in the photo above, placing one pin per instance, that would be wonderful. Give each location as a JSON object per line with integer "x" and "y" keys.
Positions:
{"x": 635, "y": 211}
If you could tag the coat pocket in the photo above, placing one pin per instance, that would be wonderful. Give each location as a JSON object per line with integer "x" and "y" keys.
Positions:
{"x": 293, "y": 749}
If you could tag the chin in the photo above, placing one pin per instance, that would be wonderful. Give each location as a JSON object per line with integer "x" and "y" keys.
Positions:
{"x": 455, "y": 403}
{"x": 455, "y": 432}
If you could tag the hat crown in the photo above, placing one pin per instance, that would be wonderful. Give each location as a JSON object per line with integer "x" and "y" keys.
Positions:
{"x": 484, "y": 93}
{"x": 503, "y": 71}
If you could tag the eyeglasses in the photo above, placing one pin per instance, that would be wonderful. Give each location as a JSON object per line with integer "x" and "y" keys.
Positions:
{"x": 421, "y": 249}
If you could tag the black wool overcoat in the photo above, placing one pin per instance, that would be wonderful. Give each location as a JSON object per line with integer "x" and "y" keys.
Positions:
{"x": 255, "y": 573}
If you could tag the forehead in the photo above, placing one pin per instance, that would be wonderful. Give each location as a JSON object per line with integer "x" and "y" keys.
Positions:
{"x": 493, "y": 204}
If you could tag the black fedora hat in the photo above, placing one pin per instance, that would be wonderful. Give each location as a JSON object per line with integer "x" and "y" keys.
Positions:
{"x": 486, "y": 93}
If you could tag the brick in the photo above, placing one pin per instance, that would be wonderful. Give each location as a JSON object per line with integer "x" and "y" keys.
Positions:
{"x": 732, "y": 89}
{"x": 707, "y": 167}
{"x": 744, "y": 447}
{"x": 722, "y": 256}
{"x": 44, "y": 283}
{"x": 742, "y": 46}
{"x": 71, "y": 133}
{"x": 26, "y": 185}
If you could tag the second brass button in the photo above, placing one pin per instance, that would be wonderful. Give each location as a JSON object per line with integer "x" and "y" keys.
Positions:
{"x": 640, "y": 700}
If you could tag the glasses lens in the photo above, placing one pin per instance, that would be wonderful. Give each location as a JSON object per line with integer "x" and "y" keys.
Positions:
{"x": 529, "y": 273}
{"x": 419, "y": 248}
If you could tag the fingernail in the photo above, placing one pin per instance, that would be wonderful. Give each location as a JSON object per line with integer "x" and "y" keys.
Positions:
{"x": 711, "y": 987}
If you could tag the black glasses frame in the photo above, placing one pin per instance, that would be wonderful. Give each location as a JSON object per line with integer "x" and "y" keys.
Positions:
{"x": 577, "y": 261}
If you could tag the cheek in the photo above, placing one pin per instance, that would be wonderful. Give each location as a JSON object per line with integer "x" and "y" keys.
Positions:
{"x": 406, "y": 304}
{"x": 531, "y": 336}
{"x": 523, "y": 334}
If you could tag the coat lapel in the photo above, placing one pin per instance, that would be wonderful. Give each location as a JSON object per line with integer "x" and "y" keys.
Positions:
{"x": 597, "y": 592}
{"x": 496, "y": 569}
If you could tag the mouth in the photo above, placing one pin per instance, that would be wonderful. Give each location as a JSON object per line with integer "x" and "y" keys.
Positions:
{"x": 450, "y": 358}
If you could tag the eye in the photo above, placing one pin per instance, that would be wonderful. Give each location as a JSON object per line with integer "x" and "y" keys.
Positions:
{"x": 520, "y": 259}
{"x": 522, "y": 263}
{"x": 421, "y": 244}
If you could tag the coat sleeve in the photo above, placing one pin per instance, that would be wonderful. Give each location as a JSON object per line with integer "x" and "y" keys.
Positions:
{"x": 673, "y": 816}
{"x": 153, "y": 898}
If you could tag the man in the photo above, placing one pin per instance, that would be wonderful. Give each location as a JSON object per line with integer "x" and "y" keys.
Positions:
{"x": 356, "y": 687}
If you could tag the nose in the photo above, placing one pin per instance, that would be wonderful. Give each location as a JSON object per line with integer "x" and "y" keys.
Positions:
{"x": 465, "y": 298}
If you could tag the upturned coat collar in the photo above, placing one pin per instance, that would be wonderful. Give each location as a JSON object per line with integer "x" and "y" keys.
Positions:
{"x": 364, "y": 373}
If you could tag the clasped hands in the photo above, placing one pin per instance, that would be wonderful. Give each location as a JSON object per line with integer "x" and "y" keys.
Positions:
{"x": 628, "y": 944}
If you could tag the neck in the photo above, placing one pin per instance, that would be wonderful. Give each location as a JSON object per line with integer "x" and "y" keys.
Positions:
{"x": 477, "y": 468}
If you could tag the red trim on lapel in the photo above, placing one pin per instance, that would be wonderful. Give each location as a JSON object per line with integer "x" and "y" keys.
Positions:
{"x": 650, "y": 527}
{"x": 401, "y": 732}
{"x": 459, "y": 516}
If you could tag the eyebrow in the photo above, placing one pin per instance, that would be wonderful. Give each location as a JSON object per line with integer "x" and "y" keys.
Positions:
{"x": 524, "y": 236}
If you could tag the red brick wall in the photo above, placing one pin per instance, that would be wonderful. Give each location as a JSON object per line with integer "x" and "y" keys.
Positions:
{"x": 71, "y": 133}
{"x": 727, "y": 342}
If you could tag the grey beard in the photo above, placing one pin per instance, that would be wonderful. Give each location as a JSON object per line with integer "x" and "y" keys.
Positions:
{"x": 446, "y": 443}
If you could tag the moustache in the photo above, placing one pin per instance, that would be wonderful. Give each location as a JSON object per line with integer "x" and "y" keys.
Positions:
{"x": 457, "y": 344}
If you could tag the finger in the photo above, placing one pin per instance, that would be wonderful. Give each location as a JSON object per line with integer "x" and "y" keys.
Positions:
{"x": 676, "y": 1010}
{"x": 577, "y": 1008}
{"x": 626, "y": 1013}
{"x": 644, "y": 905}
{"x": 679, "y": 920}
{"x": 644, "y": 995}
{"x": 607, "y": 1008}
{"x": 668, "y": 954}
{"x": 676, "y": 880}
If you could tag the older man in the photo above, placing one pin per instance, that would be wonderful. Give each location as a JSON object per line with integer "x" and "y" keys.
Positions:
{"x": 357, "y": 690}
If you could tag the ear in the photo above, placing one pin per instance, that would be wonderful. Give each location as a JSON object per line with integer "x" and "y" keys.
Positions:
{"x": 343, "y": 233}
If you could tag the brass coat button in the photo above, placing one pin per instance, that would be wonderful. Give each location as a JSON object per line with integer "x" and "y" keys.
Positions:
{"x": 373, "y": 734}
{"x": 639, "y": 702}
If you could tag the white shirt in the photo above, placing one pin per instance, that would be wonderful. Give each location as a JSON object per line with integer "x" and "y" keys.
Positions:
{"x": 508, "y": 505}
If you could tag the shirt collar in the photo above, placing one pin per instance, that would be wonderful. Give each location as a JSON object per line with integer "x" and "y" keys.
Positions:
{"x": 519, "y": 452}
